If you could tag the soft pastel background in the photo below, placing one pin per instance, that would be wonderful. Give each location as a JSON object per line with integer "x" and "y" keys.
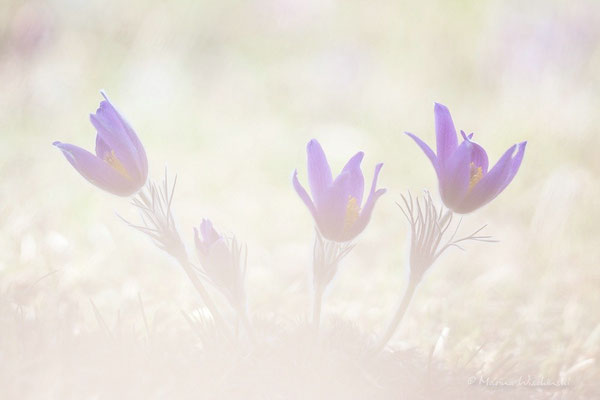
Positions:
{"x": 227, "y": 94}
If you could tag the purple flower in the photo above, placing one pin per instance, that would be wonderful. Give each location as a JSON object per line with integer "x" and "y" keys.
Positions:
{"x": 120, "y": 165}
{"x": 464, "y": 180}
{"x": 336, "y": 205}
{"x": 221, "y": 260}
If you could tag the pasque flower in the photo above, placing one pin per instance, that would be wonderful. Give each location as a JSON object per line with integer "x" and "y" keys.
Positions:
{"x": 120, "y": 165}
{"x": 462, "y": 170}
{"x": 336, "y": 205}
{"x": 223, "y": 265}
{"x": 221, "y": 260}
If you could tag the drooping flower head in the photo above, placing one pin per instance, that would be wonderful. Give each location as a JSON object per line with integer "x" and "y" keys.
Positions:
{"x": 337, "y": 205}
{"x": 120, "y": 165}
{"x": 462, "y": 170}
{"x": 221, "y": 260}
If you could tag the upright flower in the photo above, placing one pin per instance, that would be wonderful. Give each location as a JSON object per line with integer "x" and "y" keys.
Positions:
{"x": 221, "y": 260}
{"x": 462, "y": 170}
{"x": 120, "y": 165}
{"x": 336, "y": 205}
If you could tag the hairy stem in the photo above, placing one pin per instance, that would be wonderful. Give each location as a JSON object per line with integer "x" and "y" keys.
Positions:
{"x": 212, "y": 308}
{"x": 316, "y": 313}
{"x": 404, "y": 303}
{"x": 243, "y": 315}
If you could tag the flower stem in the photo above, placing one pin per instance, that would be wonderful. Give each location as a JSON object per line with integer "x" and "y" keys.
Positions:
{"x": 316, "y": 314}
{"x": 243, "y": 315}
{"x": 404, "y": 303}
{"x": 212, "y": 308}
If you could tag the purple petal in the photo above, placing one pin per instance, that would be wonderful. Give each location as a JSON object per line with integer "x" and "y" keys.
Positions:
{"x": 445, "y": 132}
{"x": 367, "y": 210}
{"x": 303, "y": 195}
{"x": 102, "y": 148}
{"x": 331, "y": 212}
{"x": 375, "y": 178}
{"x": 319, "y": 173}
{"x": 455, "y": 177}
{"x": 491, "y": 184}
{"x": 514, "y": 168}
{"x": 131, "y": 133}
{"x": 356, "y": 184}
{"x": 113, "y": 138}
{"x": 118, "y": 135}
{"x": 209, "y": 234}
{"x": 201, "y": 247}
{"x": 97, "y": 171}
{"x": 478, "y": 155}
{"x": 427, "y": 150}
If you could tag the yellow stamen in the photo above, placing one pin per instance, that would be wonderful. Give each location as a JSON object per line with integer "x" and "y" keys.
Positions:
{"x": 352, "y": 212}
{"x": 476, "y": 175}
{"x": 115, "y": 163}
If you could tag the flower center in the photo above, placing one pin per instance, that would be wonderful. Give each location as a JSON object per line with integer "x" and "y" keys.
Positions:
{"x": 115, "y": 163}
{"x": 476, "y": 175}
{"x": 352, "y": 212}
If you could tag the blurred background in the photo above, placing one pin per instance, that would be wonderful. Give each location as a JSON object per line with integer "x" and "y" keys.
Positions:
{"x": 227, "y": 94}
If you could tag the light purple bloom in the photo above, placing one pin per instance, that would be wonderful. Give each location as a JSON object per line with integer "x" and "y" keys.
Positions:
{"x": 462, "y": 170}
{"x": 206, "y": 237}
{"x": 120, "y": 165}
{"x": 221, "y": 261}
{"x": 336, "y": 205}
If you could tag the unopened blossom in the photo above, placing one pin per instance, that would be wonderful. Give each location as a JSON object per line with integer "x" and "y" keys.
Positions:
{"x": 120, "y": 165}
{"x": 465, "y": 182}
{"x": 337, "y": 204}
{"x": 221, "y": 262}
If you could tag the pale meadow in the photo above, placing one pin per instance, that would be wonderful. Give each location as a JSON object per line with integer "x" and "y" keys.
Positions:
{"x": 226, "y": 95}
